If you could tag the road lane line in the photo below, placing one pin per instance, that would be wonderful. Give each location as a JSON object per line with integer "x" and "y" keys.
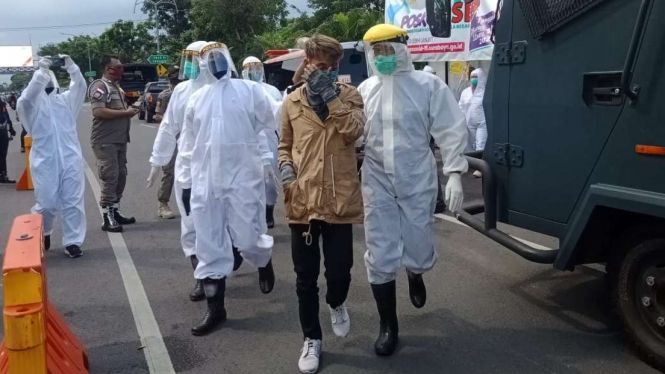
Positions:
{"x": 156, "y": 354}
{"x": 457, "y": 222}
{"x": 144, "y": 125}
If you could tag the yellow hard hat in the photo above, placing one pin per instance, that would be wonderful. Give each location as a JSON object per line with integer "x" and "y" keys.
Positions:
{"x": 383, "y": 32}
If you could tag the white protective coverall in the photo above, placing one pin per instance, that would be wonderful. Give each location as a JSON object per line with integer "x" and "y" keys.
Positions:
{"x": 56, "y": 162}
{"x": 165, "y": 145}
{"x": 220, "y": 149}
{"x": 252, "y": 69}
{"x": 471, "y": 103}
{"x": 399, "y": 176}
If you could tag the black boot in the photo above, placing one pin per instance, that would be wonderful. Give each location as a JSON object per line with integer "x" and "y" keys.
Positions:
{"x": 110, "y": 224}
{"x": 237, "y": 259}
{"x": 4, "y": 179}
{"x": 417, "y": 290}
{"x": 197, "y": 293}
{"x": 47, "y": 242}
{"x": 266, "y": 278}
{"x": 216, "y": 314}
{"x": 270, "y": 217}
{"x": 386, "y": 303}
{"x": 120, "y": 218}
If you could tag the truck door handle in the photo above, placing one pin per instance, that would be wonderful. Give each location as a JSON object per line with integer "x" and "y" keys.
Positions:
{"x": 602, "y": 88}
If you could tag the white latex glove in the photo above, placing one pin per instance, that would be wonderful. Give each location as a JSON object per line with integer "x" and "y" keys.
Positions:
{"x": 152, "y": 177}
{"x": 269, "y": 173}
{"x": 454, "y": 192}
{"x": 68, "y": 61}
{"x": 44, "y": 65}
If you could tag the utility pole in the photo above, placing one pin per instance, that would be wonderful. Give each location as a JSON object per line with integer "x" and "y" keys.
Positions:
{"x": 157, "y": 3}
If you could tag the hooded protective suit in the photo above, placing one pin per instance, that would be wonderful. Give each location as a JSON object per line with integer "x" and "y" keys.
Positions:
{"x": 56, "y": 162}
{"x": 399, "y": 179}
{"x": 471, "y": 103}
{"x": 223, "y": 166}
{"x": 170, "y": 129}
{"x": 252, "y": 69}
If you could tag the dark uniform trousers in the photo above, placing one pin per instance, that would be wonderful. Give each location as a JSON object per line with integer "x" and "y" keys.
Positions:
{"x": 112, "y": 168}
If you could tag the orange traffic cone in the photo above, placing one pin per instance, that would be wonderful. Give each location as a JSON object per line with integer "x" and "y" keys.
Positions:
{"x": 25, "y": 183}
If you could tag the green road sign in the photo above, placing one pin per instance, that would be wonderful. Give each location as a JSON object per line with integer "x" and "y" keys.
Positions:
{"x": 91, "y": 74}
{"x": 158, "y": 59}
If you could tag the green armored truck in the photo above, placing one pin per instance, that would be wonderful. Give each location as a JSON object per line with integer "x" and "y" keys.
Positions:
{"x": 575, "y": 107}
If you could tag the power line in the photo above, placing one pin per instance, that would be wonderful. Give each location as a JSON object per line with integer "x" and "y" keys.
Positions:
{"x": 59, "y": 26}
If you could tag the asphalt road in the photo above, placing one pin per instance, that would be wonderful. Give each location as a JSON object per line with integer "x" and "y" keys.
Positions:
{"x": 488, "y": 311}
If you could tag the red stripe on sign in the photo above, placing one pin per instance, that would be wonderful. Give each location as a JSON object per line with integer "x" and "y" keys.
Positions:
{"x": 28, "y": 61}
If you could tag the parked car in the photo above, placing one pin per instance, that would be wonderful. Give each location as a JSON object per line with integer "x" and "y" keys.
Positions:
{"x": 135, "y": 77}
{"x": 149, "y": 99}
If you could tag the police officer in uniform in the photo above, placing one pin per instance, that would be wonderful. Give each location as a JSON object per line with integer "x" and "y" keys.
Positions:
{"x": 109, "y": 138}
{"x": 166, "y": 187}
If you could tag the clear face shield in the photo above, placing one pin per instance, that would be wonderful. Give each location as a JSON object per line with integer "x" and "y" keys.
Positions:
{"x": 189, "y": 65}
{"x": 52, "y": 85}
{"x": 254, "y": 72}
{"x": 218, "y": 64}
{"x": 387, "y": 58}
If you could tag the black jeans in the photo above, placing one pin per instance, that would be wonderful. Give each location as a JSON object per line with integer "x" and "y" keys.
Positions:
{"x": 4, "y": 144}
{"x": 23, "y": 134}
{"x": 338, "y": 260}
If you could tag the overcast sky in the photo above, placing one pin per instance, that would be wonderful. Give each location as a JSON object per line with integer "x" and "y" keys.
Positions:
{"x": 39, "y": 13}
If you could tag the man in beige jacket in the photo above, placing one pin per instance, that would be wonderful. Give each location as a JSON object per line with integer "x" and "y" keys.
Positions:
{"x": 321, "y": 121}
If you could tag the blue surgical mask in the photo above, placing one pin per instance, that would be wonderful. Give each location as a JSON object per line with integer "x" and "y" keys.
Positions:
{"x": 386, "y": 65}
{"x": 474, "y": 81}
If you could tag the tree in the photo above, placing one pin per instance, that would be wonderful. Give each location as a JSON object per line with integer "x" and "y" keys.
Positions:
{"x": 236, "y": 23}
{"x": 323, "y": 9}
{"x": 131, "y": 42}
{"x": 19, "y": 81}
{"x": 173, "y": 19}
{"x": 350, "y": 26}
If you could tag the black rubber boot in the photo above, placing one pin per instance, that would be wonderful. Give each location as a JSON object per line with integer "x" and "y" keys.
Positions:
{"x": 197, "y": 293}
{"x": 216, "y": 314}
{"x": 270, "y": 216}
{"x": 47, "y": 242}
{"x": 267, "y": 278}
{"x": 120, "y": 218}
{"x": 417, "y": 290}
{"x": 237, "y": 259}
{"x": 110, "y": 224}
{"x": 386, "y": 304}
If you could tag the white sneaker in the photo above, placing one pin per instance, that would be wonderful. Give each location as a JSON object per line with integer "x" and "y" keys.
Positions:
{"x": 164, "y": 211}
{"x": 309, "y": 357}
{"x": 341, "y": 324}
{"x": 477, "y": 174}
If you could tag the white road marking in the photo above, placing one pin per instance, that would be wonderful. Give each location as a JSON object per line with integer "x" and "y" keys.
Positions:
{"x": 455, "y": 221}
{"x": 156, "y": 354}
{"x": 144, "y": 125}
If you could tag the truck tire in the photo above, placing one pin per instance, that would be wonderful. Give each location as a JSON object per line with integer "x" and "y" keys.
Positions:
{"x": 150, "y": 117}
{"x": 636, "y": 271}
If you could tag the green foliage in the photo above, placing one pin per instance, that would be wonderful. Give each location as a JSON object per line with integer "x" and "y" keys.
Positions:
{"x": 236, "y": 23}
{"x": 19, "y": 81}
{"x": 350, "y": 26}
{"x": 173, "y": 19}
{"x": 324, "y": 9}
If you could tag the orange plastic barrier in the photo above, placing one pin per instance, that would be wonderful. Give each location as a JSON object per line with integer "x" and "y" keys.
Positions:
{"x": 25, "y": 183}
{"x": 37, "y": 340}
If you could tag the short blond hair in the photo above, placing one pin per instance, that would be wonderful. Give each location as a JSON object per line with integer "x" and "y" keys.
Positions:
{"x": 324, "y": 47}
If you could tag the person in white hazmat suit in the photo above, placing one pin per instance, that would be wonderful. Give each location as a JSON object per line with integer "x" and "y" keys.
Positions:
{"x": 223, "y": 181}
{"x": 471, "y": 103}
{"x": 404, "y": 108}
{"x": 252, "y": 69}
{"x": 56, "y": 162}
{"x": 166, "y": 144}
